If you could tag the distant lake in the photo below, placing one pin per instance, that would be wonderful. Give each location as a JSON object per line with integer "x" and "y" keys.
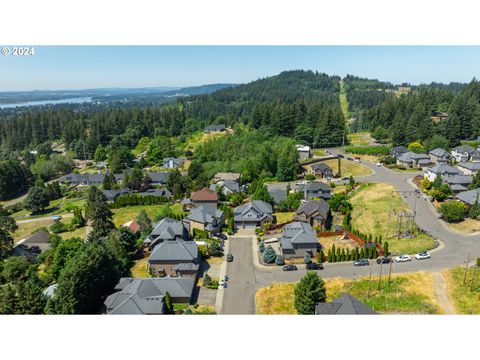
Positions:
{"x": 47, "y": 102}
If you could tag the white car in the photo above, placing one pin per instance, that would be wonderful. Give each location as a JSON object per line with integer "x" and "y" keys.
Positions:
{"x": 403, "y": 258}
{"x": 422, "y": 256}
{"x": 379, "y": 164}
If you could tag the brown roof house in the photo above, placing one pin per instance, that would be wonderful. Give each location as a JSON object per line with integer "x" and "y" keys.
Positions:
{"x": 174, "y": 258}
{"x": 205, "y": 197}
{"x": 315, "y": 213}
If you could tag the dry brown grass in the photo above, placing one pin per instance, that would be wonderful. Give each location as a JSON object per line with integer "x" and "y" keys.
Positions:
{"x": 467, "y": 226}
{"x": 139, "y": 268}
{"x": 464, "y": 300}
{"x": 412, "y": 293}
{"x": 328, "y": 241}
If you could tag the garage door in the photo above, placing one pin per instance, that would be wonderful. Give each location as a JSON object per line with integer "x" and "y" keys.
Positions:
{"x": 249, "y": 225}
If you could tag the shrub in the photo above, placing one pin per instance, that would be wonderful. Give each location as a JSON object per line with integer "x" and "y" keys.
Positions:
{"x": 368, "y": 150}
{"x": 269, "y": 255}
{"x": 58, "y": 227}
{"x": 279, "y": 260}
{"x": 452, "y": 211}
{"x": 310, "y": 177}
{"x": 307, "y": 259}
{"x": 320, "y": 256}
{"x": 214, "y": 248}
{"x": 261, "y": 246}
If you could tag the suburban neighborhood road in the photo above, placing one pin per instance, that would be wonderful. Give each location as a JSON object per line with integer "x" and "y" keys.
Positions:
{"x": 239, "y": 296}
{"x": 455, "y": 249}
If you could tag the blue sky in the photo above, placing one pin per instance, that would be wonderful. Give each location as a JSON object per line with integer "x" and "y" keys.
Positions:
{"x": 80, "y": 67}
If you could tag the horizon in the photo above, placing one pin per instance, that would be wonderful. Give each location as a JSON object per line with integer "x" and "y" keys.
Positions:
{"x": 77, "y": 68}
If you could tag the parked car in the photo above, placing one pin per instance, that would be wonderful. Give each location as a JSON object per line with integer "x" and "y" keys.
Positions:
{"x": 423, "y": 255}
{"x": 229, "y": 257}
{"x": 379, "y": 164}
{"x": 403, "y": 258}
{"x": 384, "y": 260}
{"x": 222, "y": 236}
{"x": 56, "y": 217}
{"x": 357, "y": 159}
{"x": 345, "y": 178}
{"x": 361, "y": 262}
{"x": 289, "y": 268}
{"x": 349, "y": 158}
{"x": 314, "y": 266}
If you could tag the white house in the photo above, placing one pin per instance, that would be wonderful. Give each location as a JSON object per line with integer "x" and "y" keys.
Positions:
{"x": 441, "y": 170}
{"x": 462, "y": 153}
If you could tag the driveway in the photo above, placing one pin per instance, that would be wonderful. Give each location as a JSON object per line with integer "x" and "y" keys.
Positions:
{"x": 239, "y": 296}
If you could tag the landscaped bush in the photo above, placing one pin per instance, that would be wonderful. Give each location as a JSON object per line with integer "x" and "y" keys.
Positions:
{"x": 309, "y": 177}
{"x": 261, "y": 246}
{"x": 200, "y": 234}
{"x": 136, "y": 199}
{"x": 279, "y": 260}
{"x": 368, "y": 150}
{"x": 58, "y": 227}
{"x": 215, "y": 249}
{"x": 209, "y": 282}
{"x": 269, "y": 255}
{"x": 307, "y": 259}
{"x": 453, "y": 211}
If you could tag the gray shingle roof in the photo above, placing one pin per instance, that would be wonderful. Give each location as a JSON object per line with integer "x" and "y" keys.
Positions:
{"x": 204, "y": 215}
{"x": 464, "y": 149}
{"x": 298, "y": 233}
{"x": 344, "y": 305}
{"x": 469, "y": 197}
{"x": 157, "y": 192}
{"x": 406, "y": 157}
{"x": 460, "y": 179}
{"x": 415, "y": 156}
{"x": 178, "y": 250}
{"x": 259, "y": 208}
{"x": 167, "y": 229}
{"x": 324, "y": 168}
{"x": 311, "y": 207}
{"x": 440, "y": 153}
{"x": 146, "y": 296}
{"x": 444, "y": 169}
{"x": 278, "y": 195}
{"x": 475, "y": 166}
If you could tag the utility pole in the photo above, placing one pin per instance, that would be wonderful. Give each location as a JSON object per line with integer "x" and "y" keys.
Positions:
{"x": 466, "y": 270}
{"x": 389, "y": 214}
{"x": 400, "y": 226}
{"x": 473, "y": 277}
{"x": 370, "y": 283}
{"x": 390, "y": 272}
{"x": 380, "y": 277}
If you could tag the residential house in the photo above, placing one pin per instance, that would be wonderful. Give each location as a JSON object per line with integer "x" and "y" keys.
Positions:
{"x": 160, "y": 192}
{"x": 420, "y": 160}
{"x": 205, "y": 218}
{"x": 315, "y": 213}
{"x": 253, "y": 214}
{"x": 475, "y": 156}
{"x": 440, "y": 155}
{"x": 111, "y": 195}
{"x": 228, "y": 187}
{"x": 174, "y": 258}
{"x": 459, "y": 182}
{"x": 132, "y": 225}
{"x": 166, "y": 230}
{"x": 322, "y": 170}
{"x": 172, "y": 163}
{"x": 215, "y": 128}
{"x": 344, "y": 305}
{"x": 304, "y": 152}
{"x": 398, "y": 150}
{"x": 469, "y": 168}
{"x": 205, "y": 197}
{"x": 224, "y": 176}
{"x": 297, "y": 239}
{"x": 468, "y": 197}
{"x": 314, "y": 189}
{"x": 278, "y": 195}
{"x": 441, "y": 170}
{"x": 462, "y": 153}
{"x": 82, "y": 179}
{"x": 147, "y": 296}
{"x": 405, "y": 159}
{"x": 32, "y": 246}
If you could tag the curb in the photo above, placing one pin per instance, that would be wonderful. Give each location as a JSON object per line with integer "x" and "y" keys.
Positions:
{"x": 223, "y": 272}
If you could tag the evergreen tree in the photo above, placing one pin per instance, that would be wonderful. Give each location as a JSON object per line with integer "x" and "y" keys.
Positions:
{"x": 307, "y": 259}
{"x": 320, "y": 256}
{"x": 269, "y": 255}
{"x": 279, "y": 260}
{"x": 168, "y": 303}
{"x": 144, "y": 222}
{"x": 7, "y": 227}
{"x": 37, "y": 199}
{"x": 474, "y": 211}
{"x": 99, "y": 213}
{"x": 309, "y": 291}
{"x": 261, "y": 246}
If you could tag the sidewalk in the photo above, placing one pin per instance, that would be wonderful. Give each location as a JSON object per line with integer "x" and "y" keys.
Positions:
{"x": 223, "y": 272}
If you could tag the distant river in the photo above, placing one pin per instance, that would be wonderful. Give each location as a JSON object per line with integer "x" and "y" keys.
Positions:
{"x": 47, "y": 102}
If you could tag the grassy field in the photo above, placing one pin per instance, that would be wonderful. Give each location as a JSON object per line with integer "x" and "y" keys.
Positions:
{"x": 80, "y": 233}
{"x": 123, "y": 215}
{"x": 319, "y": 152}
{"x": 352, "y": 168}
{"x": 407, "y": 294}
{"x": 27, "y": 228}
{"x": 371, "y": 204}
{"x": 361, "y": 138}
{"x": 283, "y": 217}
{"x": 467, "y": 226}
{"x": 464, "y": 300}
{"x": 139, "y": 269}
{"x": 343, "y": 100}
{"x": 328, "y": 241}
{"x": 200, "y": 137}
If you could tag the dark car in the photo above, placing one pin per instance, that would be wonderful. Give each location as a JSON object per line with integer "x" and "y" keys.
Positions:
{"x": 314, "y": 266}
{"x": 384, "y": 260}
{"x": 289, "y": 268}
{"x": 229, "y": 257}
{"x": 345, "y": 178}
{"x": 361, "y": 262}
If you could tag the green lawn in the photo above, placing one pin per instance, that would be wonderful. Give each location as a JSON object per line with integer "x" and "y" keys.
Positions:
{"x": 361, "y": 138}
{"x": 26, "y": 229}
{"x": 80, "y": 233}
{"x": 352, "y": 168}
{"x": 139, "y": 269}
{"x": 319, "y": 152}
{"x": 406, "y": 294}
{"x": 343, "y": 100}
{"x": 464, "y": 300}
{"x": 123, "y": 215}
{"x": 283, "y": 217}
{"x": 371, "y": 204}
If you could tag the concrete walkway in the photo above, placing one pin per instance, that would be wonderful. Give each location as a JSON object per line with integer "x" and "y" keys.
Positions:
{"x": 442, "y": 294}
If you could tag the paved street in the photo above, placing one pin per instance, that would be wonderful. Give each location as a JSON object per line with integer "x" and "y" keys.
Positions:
{"x": 239, "y": 297}
{"x": 246, "y": 278}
